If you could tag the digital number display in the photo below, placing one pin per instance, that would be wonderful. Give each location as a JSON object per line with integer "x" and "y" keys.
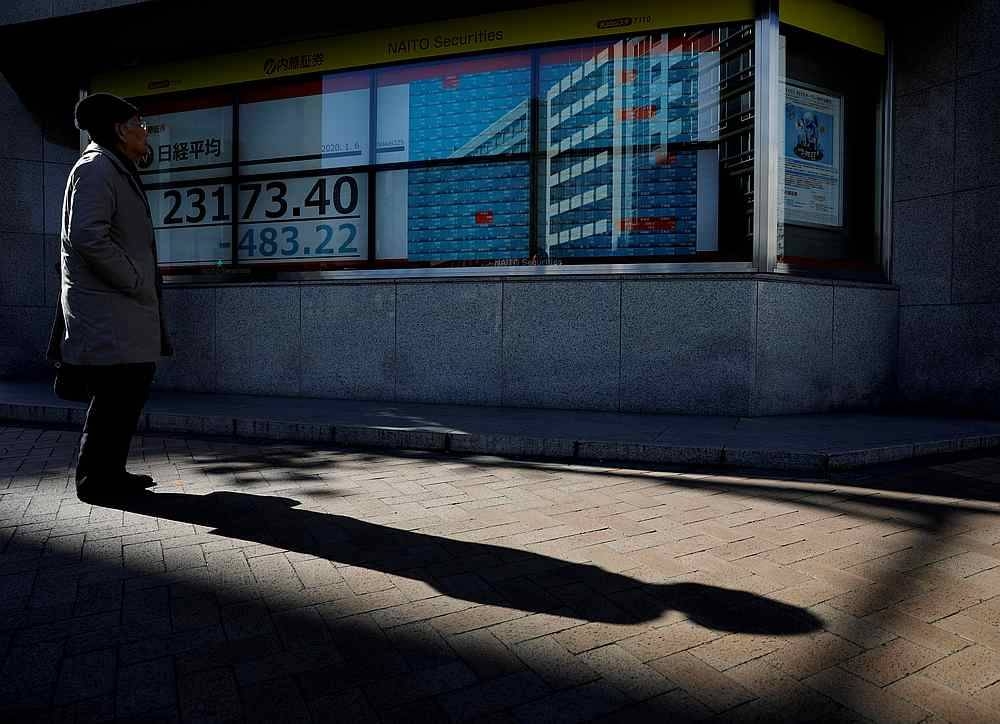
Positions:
{"x": 312, "y": 217}
{"x": 189, "y": 205}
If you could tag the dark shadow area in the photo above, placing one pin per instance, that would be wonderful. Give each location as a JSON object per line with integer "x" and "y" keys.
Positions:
{"x": 295, "y": 465}
{"x": 295, "y": 460}
{"x": 94, "y": 635}
{"x": 919, "y": 477}
{"x": 480, "y": 573}
{"x": 94, "y": 638}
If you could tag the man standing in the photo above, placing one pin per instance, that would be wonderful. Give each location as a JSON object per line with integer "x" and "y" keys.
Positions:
{"x": 109, "y": 323}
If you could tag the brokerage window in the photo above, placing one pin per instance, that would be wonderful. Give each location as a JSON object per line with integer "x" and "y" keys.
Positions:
{"x": 615, "y": 149}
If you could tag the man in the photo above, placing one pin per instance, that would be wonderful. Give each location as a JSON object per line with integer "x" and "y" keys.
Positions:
{"x": 109, "y": 324}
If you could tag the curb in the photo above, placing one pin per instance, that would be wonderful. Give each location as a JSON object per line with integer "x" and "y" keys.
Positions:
{"x": 507, "y": 445}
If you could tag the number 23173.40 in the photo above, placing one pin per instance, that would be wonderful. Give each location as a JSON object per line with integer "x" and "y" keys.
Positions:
{"x": 195, "y": 205}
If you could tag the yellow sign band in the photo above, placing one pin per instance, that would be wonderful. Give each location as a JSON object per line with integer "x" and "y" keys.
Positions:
{"x": 836, "y": 21}
{"x": 513, "y": 29}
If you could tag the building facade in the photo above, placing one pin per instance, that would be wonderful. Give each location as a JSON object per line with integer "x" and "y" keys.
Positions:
{"x": 729, "y": 207}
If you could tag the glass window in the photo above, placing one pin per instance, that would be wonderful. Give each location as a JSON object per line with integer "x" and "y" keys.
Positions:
{"x": 460, "y": 213}
{"x": 455, "y": 109}
{"x": 456, "y": 136}
{"x": 187, "y": 172}
{"x": 303, "y": 193}
{"x": 637, "y": 147}
{"x": 315, "y": 124}
{"x": 828, "y": 160}
{"x": 646, "y": 146}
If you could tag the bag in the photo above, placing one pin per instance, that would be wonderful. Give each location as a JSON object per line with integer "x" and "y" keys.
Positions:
{"x": 71, "y": 380}
{"x": 71, "y": 383}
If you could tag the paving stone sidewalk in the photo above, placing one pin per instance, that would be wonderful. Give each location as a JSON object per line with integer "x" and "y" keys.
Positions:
{"x": 289, "y": 582}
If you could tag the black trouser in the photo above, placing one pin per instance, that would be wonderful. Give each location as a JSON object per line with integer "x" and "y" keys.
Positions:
{"x": 118, "y": 395}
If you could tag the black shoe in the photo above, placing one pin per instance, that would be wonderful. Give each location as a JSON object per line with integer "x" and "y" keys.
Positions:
{"x": 94, "y": 492}
{"x": 134, "y": 480}
{"x": 96, "y": 488}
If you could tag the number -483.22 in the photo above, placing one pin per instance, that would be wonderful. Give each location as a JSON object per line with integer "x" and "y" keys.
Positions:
{"x": 330, "y": 240}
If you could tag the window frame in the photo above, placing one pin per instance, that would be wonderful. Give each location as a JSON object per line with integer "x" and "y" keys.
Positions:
{"x": 762, "y": 254}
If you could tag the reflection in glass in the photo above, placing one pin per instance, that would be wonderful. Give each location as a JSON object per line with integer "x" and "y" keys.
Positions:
{"x": 457, "y": 109}
{"x": 636, "y": 140}
{"x": 319, "y": 123}
{"x": 453, "y": 213}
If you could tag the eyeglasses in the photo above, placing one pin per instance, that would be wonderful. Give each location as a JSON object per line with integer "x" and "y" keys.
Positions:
{"x": 139, "y": 124}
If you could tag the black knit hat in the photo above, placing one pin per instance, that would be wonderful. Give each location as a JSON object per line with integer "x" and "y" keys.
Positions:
{"x": 99, "y": 111}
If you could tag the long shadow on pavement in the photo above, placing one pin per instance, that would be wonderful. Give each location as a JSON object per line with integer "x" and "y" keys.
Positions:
{"x": 497, "y": 573}
{"x": 365, "y": 658}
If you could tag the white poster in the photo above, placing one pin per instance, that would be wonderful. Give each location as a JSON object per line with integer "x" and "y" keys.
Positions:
{"x": 813, "y": 157}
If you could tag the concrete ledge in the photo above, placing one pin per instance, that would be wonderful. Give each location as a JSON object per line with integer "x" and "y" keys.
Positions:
{"x": 288, "y": 431}
{"x": 777, "y": 459}
{"x": 197, "y": 424}
{"x": 939, "y": 447}
{"x": 981, "y": 442}
{"x": 385, "y": 437}
{"x": 577, "y": 440}
{"x": 872, "y": 456}
{"x": 56, "y": 414}
{"x": 515, "y": 445}
{"x": 644, "y": 453}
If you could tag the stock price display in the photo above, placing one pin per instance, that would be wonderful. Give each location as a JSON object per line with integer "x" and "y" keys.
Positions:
{"x": 301, "y": 218}
{"x": 193, "y": 202}
{"x": 193, "y": 224}
{"x": 304, "y": 218}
